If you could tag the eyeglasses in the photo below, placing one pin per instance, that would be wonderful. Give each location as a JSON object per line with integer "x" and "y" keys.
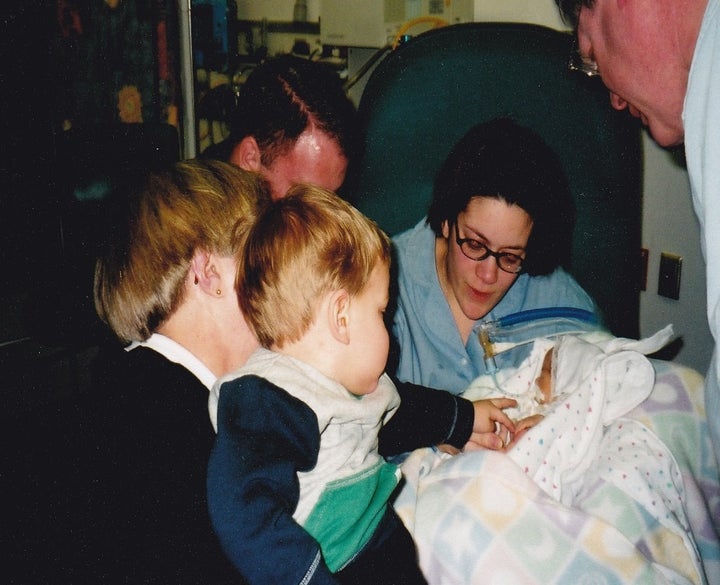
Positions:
{"x": 582, "y": 64}
{"x": 478, "y": 252}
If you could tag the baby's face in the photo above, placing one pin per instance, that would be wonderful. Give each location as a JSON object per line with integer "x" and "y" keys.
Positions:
{"x": 544, "y": 380}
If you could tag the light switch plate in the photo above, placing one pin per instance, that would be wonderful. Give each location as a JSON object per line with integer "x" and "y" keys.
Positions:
{"x": 669, "y": 276}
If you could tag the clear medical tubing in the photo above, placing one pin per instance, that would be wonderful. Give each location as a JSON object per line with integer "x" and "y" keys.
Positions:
{"x": 546, "y": 313}
{"x": 491, "y": 332}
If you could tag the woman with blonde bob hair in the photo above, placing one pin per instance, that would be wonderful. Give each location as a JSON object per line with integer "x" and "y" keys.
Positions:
{"x": 182, "y": 226}
{"x": 165, "y": 285}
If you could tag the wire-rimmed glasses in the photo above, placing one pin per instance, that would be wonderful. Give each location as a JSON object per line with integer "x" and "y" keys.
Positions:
{"x": 582, "y": 64}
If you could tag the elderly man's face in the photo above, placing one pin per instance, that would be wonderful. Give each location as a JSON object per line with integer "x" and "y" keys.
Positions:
{"x": 634, "y": 44}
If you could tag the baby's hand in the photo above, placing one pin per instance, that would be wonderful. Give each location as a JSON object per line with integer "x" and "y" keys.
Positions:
{"x": 522, "y": 426}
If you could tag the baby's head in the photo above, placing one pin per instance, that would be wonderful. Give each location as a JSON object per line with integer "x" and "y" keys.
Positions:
{"x": 544, "y": 379}
{"x": 312, "y": 256}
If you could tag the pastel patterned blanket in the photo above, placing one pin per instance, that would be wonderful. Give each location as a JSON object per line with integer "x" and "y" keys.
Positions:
{"x": 479, "y": 517}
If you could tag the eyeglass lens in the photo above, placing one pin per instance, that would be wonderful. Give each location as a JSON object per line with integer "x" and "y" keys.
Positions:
{"x": 581, "y": 64}
{"x": 478, "y": 252}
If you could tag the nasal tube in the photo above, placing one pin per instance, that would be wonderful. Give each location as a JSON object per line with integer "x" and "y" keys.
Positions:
{"x": 488, "y": 350}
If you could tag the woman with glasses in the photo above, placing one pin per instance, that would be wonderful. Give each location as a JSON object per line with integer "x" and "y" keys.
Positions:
{"x": 498, "y": 230}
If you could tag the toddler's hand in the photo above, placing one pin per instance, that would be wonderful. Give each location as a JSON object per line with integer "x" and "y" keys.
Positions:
{"x": 479, "y": 441}
{"x": 489, "y": 414}
{"x": 489, "y": 417}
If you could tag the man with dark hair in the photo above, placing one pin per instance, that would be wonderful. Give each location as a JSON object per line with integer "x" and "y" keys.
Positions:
{"x": 294, "y": 123}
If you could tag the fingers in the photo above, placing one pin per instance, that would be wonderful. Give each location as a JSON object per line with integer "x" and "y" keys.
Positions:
{"x": 493, "y": 429}
{"x": 480, "y": 441}
{"x": 489, "y": 412}
{"x": 515, "y": 438}
{"x": 447, "y": 448}
{"x": 521, "y": 427}
{"x": 528, "y": 422}
{"x": 500, "y": 417}
{"x": 502, "y": 403}
{"x": 503, "y": 438}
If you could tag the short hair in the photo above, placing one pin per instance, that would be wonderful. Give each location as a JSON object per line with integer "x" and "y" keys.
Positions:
{"x": 192, "y": 205}
{"x": 502, "y": 160}
{"x": 570, "y": 9}
{"x": 282, "y": 97}
{"x": 302, "y": 247}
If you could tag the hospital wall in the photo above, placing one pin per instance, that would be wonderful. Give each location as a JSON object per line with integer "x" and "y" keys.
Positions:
{"x": 669, "y": 224}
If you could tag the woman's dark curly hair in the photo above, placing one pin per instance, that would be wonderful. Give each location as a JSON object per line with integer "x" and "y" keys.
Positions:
{"x": 501, "y": 160}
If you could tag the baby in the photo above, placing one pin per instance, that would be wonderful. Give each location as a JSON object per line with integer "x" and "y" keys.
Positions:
{"x": 555, "y": 369}
{"x": 530, "y": 384}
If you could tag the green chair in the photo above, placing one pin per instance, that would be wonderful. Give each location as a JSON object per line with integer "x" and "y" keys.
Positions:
{"x": 425, "y": 95}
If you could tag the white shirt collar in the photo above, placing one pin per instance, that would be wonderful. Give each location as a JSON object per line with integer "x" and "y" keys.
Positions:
{"x": 176, "y": 353}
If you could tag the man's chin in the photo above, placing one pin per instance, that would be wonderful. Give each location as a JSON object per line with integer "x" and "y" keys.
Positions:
{"x": 666, "y": 137}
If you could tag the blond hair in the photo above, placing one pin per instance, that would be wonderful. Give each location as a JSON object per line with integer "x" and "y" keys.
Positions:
{"x": 301, "y": 247}
{"x": 194, "y": 205}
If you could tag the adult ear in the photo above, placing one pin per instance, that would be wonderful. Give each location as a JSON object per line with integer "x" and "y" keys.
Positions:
{"x": 339, "y": 315}
{"x": 246, "y": 154}
{"x": 445, "y": 229}
{"x": 204, "y": 273}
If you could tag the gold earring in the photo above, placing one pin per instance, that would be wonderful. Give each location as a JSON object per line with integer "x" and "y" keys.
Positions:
{"x": 218, "y": 292}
